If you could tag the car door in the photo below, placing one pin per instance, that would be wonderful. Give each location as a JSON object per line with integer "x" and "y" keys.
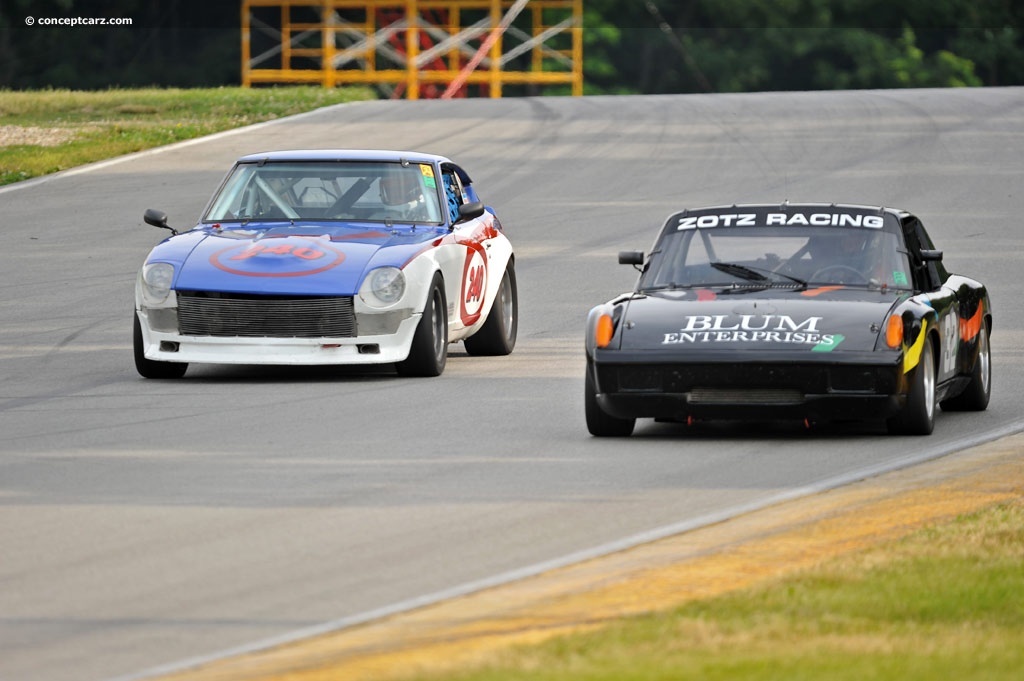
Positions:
{"x": 463, "y": 253}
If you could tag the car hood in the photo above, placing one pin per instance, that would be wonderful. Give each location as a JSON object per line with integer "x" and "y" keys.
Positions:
{"x": 816, "y": 320}
{"x": 306, "y": 259}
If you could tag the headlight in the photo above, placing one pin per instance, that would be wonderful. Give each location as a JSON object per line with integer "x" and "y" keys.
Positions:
{"x": 156, "y": 282}
{"x": 382, "y": 287}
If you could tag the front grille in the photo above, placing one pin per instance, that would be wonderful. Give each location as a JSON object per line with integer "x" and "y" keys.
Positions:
{"x": 204, "y": 313}
{"x": 763, "y": 396}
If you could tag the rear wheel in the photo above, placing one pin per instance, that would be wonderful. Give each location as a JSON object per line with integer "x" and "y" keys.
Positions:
{"x": 497, "y": 336}
{"x": 976, "y": 395}
{"x": 918, "y": 416}
{"x": 599, "y": 422}
{"x": 429, "y": 351}
{"x": 149, "y": 368}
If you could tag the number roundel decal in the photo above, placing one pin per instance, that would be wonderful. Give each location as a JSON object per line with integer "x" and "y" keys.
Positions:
{"x": 474, "y": 285}
{"x": 279, "y": 257}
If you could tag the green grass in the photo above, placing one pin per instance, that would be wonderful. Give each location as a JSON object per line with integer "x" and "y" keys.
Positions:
{"x": 944, "y": 603}
{"x": 46, "y": 131}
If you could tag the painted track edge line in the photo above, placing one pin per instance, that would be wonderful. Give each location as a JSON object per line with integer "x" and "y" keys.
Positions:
{"x": 599, "y": 551}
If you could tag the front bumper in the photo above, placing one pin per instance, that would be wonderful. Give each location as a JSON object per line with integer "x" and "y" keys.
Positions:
{"x": 750, "y": 391}
{"x": 164, "y": 344}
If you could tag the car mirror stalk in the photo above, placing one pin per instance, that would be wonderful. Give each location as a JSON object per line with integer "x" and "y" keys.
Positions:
{"x": 157, "y": 218}
{"x": 468, "y": 211}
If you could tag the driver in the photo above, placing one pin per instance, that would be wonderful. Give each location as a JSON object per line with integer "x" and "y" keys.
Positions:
{"x": 402, "y": 191}
{"x": 839, "y": 258}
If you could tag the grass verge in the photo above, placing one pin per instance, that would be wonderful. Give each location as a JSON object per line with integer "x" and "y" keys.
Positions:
{"x": 46, "y": 131}
{"x": 945, "y": 602}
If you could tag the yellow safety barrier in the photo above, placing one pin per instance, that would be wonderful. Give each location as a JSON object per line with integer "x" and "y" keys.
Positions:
{"x": 415, "y": 48}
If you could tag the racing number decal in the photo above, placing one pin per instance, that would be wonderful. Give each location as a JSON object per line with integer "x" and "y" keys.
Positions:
{"x": 950, "y": 329}
{"x": 303, "y": 252}
{"x": 287, "y": 257}
{"x": 474, "y": 285}
{"x": 475, "y": 288}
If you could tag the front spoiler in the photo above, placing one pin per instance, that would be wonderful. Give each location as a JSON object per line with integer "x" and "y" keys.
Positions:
{"x": 368, "y": 349}
{"x": 677, "y": 406}
{"x": 751, "y": 391}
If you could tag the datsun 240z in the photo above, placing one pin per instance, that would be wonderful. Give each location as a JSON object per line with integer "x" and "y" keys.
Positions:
{"x": 329, "y": 257}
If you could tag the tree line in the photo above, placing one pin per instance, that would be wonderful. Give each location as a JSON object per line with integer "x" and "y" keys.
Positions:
{"x": 657, "y": 46}
{"x": 630, "y": 46}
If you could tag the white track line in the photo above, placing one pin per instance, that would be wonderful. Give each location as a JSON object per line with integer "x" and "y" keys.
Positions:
{"x": 587, "y": 554}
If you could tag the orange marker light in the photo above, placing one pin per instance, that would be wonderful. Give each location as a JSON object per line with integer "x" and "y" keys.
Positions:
{"x": 603, "y": 331}
{"x": 894, "y": 331}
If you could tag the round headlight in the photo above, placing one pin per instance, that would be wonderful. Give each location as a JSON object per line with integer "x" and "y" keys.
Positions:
{"x": 157, "y": 278}
{"x": 383, "y": 286}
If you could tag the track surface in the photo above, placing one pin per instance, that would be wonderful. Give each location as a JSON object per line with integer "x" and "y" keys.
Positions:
{"x": 147, "y": 522}
{"x": 745, "y": 551}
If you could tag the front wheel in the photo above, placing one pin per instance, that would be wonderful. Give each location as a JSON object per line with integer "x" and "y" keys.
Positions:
{"x": 497, "y": 336}
{"x": 599, "y": 422}
{"x": 148, "y": 368}
{"x": 918, "y": 416}
{"x": 429, "y": 351}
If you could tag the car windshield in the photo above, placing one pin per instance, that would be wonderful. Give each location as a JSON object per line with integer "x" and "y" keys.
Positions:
{"x": 328, "y": 190}
{"x": 787, "y": 257}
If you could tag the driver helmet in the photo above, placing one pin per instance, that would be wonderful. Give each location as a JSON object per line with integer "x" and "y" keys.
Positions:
{"x": 398, "y": 188}
{"x": 839, "y": 246}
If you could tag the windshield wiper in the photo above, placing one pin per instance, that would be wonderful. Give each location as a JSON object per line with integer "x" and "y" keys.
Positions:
{"x": 752, "y": 273}
{"x": 665, "y": 287}
{"x": 741, "y": 271}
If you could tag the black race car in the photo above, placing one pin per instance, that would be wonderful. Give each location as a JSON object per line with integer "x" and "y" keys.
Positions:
{"x": 815, "y": 312}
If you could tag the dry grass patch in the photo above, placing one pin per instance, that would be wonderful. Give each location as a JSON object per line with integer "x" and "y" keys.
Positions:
{"x": 945, "y": 602}
{"x": 31, "y": 135}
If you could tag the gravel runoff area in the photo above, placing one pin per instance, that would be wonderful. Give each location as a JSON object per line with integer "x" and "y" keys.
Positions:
{"x": 12, "y": 135}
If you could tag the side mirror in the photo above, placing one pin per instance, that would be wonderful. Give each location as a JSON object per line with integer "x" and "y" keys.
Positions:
{"x": 468, "y": 211}
{"x": 157, "y": 218}
{"x": 631, "y": 258}
{"x": 930, "y": 255}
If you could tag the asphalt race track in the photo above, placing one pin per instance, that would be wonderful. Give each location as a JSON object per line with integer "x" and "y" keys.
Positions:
{"x": 144, "y": 524}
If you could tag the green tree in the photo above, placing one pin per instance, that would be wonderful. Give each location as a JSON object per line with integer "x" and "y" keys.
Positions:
{"x": 660, "y": 46}
{"x": 168, "y": 43}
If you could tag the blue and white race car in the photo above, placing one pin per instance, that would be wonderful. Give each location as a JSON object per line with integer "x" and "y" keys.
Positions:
{"x": 325, "y": 257}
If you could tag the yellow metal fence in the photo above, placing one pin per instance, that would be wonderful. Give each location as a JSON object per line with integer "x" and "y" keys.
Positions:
{"x": 415, "y": 48}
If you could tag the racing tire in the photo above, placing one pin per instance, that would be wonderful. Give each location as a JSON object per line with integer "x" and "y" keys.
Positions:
{"x": 149, "y": 368}
{"x": 599, "y": 422}
{"x": 497, "y": 336}
{"x": 428, "y": 353}
{"x": 918, "y": 415}
{"x": 976, "y": 395}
